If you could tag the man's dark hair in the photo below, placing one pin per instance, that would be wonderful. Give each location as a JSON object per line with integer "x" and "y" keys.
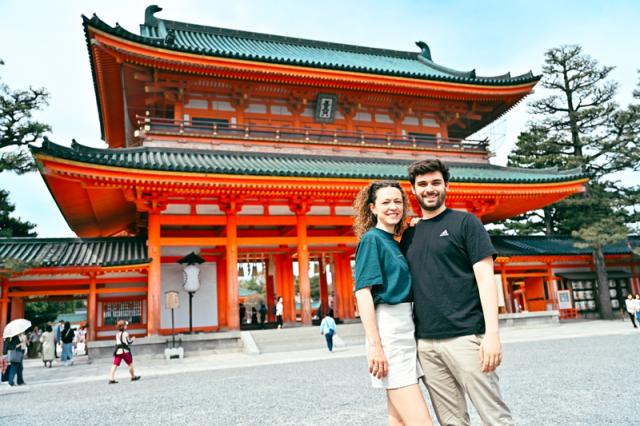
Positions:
{"x": 428, "y": 166}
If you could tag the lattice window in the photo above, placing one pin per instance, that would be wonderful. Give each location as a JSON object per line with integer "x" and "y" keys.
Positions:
{"x": 129, "y": 311}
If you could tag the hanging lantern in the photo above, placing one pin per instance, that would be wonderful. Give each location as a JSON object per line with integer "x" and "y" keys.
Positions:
{"x": 240, "y": 270}
{"x": 254, "y": 270}
{"x": 271, "y": 270}
{"x": 314, "y": 270}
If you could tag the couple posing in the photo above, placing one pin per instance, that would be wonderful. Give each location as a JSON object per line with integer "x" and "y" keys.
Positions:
{"x": 433, "y": 294}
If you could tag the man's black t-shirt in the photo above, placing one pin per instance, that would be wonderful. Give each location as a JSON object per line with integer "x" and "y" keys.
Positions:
{"x": 441, "y": 253}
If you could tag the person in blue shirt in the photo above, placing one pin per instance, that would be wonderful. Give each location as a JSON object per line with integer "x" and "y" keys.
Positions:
{"x": 328, "y": 329}
{"x": 384, "y": 295}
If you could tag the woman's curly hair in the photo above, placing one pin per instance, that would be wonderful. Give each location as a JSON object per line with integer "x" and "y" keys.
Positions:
{"x": 364, "y": 217}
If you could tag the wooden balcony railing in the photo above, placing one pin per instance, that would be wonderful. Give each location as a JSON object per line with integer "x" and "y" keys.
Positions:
{"x": 153, "y": 125}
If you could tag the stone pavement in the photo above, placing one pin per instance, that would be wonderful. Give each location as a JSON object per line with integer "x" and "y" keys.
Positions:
{"x": 97, "y": 370}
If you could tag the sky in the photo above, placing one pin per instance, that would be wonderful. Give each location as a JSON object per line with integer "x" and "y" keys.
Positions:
{"x": 43, "y": 45}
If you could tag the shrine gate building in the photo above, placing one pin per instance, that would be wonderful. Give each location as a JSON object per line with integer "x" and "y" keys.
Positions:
{"x": 246, "y": 147}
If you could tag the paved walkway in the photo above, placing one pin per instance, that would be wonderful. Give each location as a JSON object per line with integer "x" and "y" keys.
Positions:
{"x": 84, "y": 371}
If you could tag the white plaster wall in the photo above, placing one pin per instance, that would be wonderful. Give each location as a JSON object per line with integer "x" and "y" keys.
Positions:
{"x": 205, "y": 300}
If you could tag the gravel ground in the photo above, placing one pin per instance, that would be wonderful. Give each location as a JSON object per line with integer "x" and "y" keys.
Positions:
{"x": 581, "y": 381}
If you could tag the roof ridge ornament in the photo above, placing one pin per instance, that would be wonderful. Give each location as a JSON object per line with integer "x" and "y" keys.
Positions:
{"x": 170, "y": 38}
{"x": 149, "y": 19}
{"x": 426, "y": 52}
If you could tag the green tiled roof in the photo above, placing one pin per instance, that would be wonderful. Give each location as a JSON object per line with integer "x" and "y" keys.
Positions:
{"x": 267, "y": 164}
{"x": 556, "y": 245}
{"x": 221, "y": 42}
{"x": 64, "y": 252}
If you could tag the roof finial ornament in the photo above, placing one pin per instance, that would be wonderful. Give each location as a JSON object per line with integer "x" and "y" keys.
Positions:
{"x": 426, "y": 52}
{"x": 149, "y": 19}
{"x": 170, "y": 37}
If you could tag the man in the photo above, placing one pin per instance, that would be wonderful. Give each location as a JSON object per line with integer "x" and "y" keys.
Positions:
{"x": 328, "y": 329}
{"x": 57, "y": 332}
{"x": 456, "y": 303}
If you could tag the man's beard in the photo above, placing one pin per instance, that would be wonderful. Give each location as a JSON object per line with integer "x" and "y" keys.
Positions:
{"x": 439, "y": 202}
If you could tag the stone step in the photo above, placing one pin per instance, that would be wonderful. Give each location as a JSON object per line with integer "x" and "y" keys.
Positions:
{"x": 304, "y": 338}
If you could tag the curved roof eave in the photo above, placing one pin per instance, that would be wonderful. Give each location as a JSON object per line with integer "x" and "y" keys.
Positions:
{"x": 446, "y": 74}
{"x": 289, "y": 165}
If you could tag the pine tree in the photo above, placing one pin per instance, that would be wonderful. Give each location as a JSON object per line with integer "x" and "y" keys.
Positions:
{"x": 18, "y": 129}
{"x": 578, "y": 124}
{"x": 595, "y": 237}
{"x": 11, "y": 226}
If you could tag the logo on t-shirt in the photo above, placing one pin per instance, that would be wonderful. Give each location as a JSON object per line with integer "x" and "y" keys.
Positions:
{"x": 444, "y": 233}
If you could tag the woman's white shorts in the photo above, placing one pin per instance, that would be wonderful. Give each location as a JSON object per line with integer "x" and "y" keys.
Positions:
{"x": 396, "y": 328}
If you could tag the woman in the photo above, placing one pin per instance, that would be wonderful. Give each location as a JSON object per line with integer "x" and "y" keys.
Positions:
{"x": 17, "y": 347}
{"x": 66, "y": 336}
{"x": 48, "y": 346}
{"x": 383, "y": 292}
{"x": 279, "y": 312}
{"x": 630, "y": 305}
{"x": 34, "y": 342}
{"x": 122, "y": 352}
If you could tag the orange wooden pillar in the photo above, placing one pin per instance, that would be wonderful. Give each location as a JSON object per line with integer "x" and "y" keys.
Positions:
{"x": 348, "y": 287}
{"x": 92, "y": 309}
{"x": 324, "y": 287}
{"x": 279, "y": 284}
{"x": 634, "y": 281}
{"x": 17, "y": 308}
{"x": 233, "y": 313}
{"x": 288, "y": 290}
{"x": 338, "y": 282}
{"x": 4, "y": 305}
{"x": 303, "y": 269}
{"x": 505, "y": 290}
{"x": 269, "y": 266}
{"x": 551, "y": 288}
{"x": 221, "y": 277}
{"x": 154, "y": 283}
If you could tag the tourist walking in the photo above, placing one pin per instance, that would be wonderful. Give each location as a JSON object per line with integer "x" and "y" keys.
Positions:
{"x": 16, "y": 350}
{"x": 48, "y": 346}
{"x": 328, "y": 329}
{"x": 34, "y": 342}
{"x": 57, "y": 330}
{"x": 66, "y": 337}
{"x": 456, "y": 303}
{"x": 632, "y": 309}
{"x": 637, "y": 300}
{"x": 122, "y": 352}
{"x": 383, "y": 292}
{"x": 81, "y": 339}
{"x": 263, "y": 314}
{"x": 279, "y": 312}
{"x": 4, "y": 363}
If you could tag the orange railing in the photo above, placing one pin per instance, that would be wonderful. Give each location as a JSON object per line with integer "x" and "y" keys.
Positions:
{"x": 155, "y": 125}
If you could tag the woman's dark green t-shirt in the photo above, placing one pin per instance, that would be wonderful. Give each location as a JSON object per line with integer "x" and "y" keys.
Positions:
{"x": 381, "y": 265}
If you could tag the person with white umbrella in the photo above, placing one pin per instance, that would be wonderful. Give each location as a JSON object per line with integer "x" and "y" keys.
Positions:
{"x": 15, "y": 347}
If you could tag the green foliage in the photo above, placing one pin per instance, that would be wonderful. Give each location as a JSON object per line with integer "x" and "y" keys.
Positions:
{"x": 580, "y": 125}
{"x": 253, "y": 284}
{"x": 10, "y": 267}
{"x": 18, "y": 129}
{"x": 314, "y": 284}
{"x": 601, "y": 233}
{"x": 41, "y": 312}
{"x": 11, "y": 226}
